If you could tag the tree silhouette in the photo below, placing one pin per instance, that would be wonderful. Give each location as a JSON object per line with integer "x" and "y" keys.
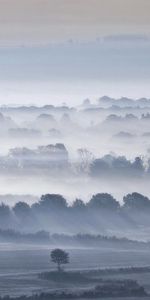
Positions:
{"x": 85, "y": 158}
{"x": 60, "y": 257}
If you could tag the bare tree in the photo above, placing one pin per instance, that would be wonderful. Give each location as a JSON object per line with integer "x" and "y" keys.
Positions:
{"x": 85, "y": 159}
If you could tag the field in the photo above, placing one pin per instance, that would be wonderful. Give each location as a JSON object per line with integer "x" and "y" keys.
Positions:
{"x": 20, "y": 266}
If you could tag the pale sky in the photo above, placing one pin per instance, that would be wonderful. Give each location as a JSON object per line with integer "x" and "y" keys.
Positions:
{"x": 43, "y": 21}
{"x": 67, "y": 50}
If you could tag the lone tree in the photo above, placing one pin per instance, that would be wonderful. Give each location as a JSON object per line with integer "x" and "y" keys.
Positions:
{"x": 59, "y": 257}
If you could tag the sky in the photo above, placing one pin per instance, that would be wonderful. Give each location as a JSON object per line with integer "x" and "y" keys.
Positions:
{"x": 41, "y": 21}
{"x": 66, "y": 50}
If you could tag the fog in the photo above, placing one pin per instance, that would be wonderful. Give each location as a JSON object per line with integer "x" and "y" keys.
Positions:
{"x": 74, "y": 149}
{"x": 95, "y": 147}
{"x": 72, "y": 69}
{"x": 100, "y": 146}
{"x": 74, "y": 178}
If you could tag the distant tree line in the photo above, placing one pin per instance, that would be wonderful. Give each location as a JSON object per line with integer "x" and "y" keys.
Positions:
{"x": 110, "y": 165}
{"x": 78, "y": 240}
{"x": 55, "y": 159}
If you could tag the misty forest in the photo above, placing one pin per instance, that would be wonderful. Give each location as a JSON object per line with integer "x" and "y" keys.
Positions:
{"x": 74, "y": 149}
{"x": 75, "y": 200}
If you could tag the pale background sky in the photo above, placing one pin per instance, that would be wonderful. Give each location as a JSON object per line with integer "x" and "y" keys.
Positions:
{"x": 41, "y": 21}
{"x": 34, "y": 71}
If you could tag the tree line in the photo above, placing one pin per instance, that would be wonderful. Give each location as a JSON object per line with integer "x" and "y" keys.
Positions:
{"x": 53, "y": 209}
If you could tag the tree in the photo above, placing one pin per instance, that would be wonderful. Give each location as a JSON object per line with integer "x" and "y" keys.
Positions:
{"x": 59, "y": 257}
{"x": 103, "y": 201}
{"x": 99, "y": 167}
{"x": 52, "y": 202}
{"x": 85, "y": 160}
{"x": 5, "y": 216}
{"x": 138, "y": 166}
{"x": 136, "y": 202}
{"x": 78, "y": 204}
{"x": 22, "y": 209}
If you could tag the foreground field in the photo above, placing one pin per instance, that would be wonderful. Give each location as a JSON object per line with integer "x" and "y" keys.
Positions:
{"x": 20, "y": 268}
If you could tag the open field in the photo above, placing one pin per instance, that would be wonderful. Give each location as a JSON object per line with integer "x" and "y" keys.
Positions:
{"x": 20, "y": 268}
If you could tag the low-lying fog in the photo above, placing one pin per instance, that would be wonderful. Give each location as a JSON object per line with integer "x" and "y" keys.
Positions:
{"x": 76, "y": 151}
{"x": 71, "y": 188}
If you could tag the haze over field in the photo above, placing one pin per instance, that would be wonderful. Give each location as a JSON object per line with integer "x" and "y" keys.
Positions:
{"x": 71, "y": 71}
{"x": 53, "y": 55}
{"x": 61, "y": 147}
{"x": 65, "y": 51}
{"x": 75, "y": 149}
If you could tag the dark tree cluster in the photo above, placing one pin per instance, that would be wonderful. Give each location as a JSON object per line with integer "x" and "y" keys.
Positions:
{"x": 53, "y": 213}
{"x": 118, "y": 166}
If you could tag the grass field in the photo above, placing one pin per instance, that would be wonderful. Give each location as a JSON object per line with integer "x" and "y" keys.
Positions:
{"x": 20, "y": 268}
